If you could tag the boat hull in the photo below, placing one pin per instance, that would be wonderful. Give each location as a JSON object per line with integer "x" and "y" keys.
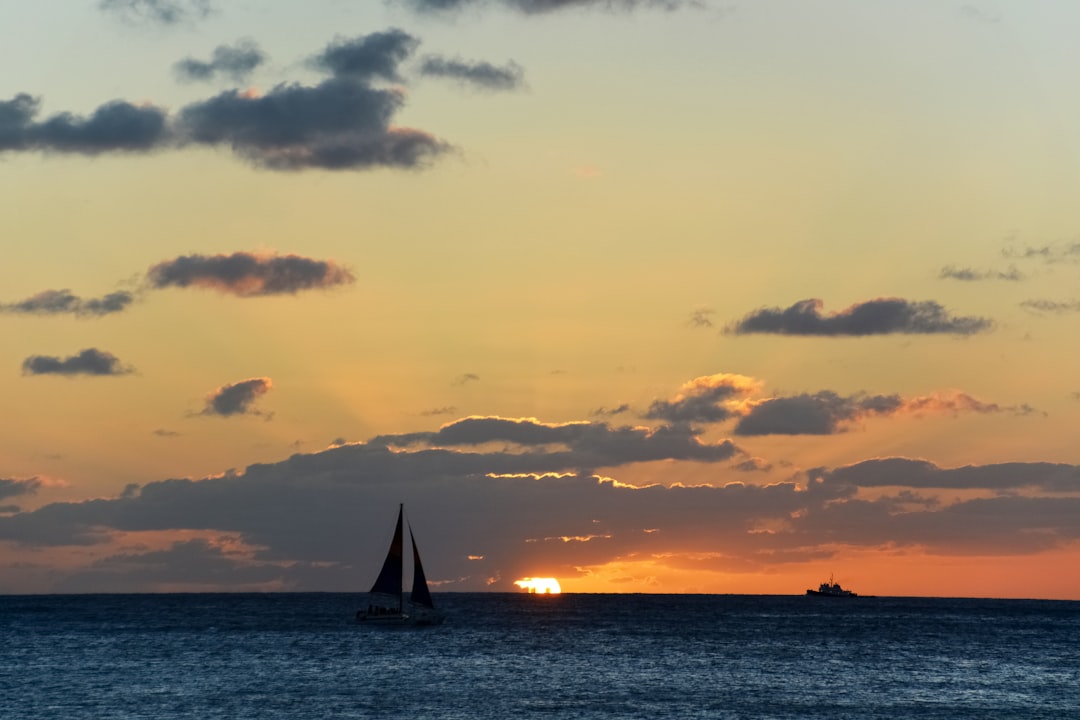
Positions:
{"x": 419, "y": 617}
{"x": 842, "y": 594}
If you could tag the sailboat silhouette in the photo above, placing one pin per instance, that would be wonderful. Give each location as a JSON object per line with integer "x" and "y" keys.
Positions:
{"x": 386, "y": 604}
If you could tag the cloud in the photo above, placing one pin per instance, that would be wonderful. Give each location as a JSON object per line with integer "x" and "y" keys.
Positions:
{"x": 1051, "y": 306}
{"x": 116, "y": 126}
{"x": 466, "y": 378}
{"x": 343, "y": 123}
{"x": 445, "y": 410}
{"x": 553, "y": 447}
{"x": 956, "y": 402}
{"x": 14, "y": 488}
{"x": 196, "y": 563}
{"x": 966, "y": 274}
{"x": 702, "y": 317}
{"x": 88, "y": 362}
{"x": 1052, "y": 253}
{"x": 235, "y": 62}
{"x": 310, "y": 508}
{"x": 336, "y": 125}
{"x": 611, "y": 412}
{"x": 982, "y": 15}
{"x": 480, "y": 74}
{"x": 367, "y": 57}
{"x": 63, "y": 302}
{"x": 165, "y": 12}
{"x": 237, "y": 398}
{"x": 484, "y": 519}
{"x": 873, "y": 317}
{"x": 535, "y": 7}
{"x": 827, "y": 413}
{"x": 924, "y": 475}
{"x": 248, "y": 274}
{"x": 753, "y": 464}
{"x": 822, "y": 413}
{"x": 706, "y": 399}
{"x": 721, "y": 397}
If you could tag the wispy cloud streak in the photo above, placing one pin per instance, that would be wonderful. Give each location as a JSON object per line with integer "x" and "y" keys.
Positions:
{"x": 479, "y": 74}
{"x": 967, "y": 274}
{"x": 64, "y": 302}
{"x": 164, "y": 12}
{"x": 536, "y": 7}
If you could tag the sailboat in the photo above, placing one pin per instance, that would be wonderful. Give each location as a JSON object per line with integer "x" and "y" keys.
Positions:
{"x": 386, "y": 604}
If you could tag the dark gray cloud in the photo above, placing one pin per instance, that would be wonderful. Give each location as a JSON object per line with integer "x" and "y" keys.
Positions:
{"x": 248, "y": 274}
{"x": 368, "y": 57}
{"x": 1004, "y": 525}
{"x": 88, "y": 362}
{"x": 189, "y": 563}
{"x": 235, "y": 62}
{"x": 535, "y": 7}
{"x": 319, "y": 508}
{"x": 827, "y": 413}
{"x": 874, "y": 317}
{"x": 1059, "y": 307}
{"x": 339, "y": 124}
{"x": 967, "y": 274}
{"x": 922, "y": 475}
{"x": 571, "y": 446}
{"x": 704, "y": 400}
{"x": 10, "y": 487}
{"x": 237, "y": 398}
{"x": 485, "y": 519}
{"x": 822, "y": 413}
{"x": 479, "y": 74}
{"x": 116, "y": 126}
{"x": 64, "y": 302}
{"x": 336, "y": 125}
{"x": 165, "y": 12}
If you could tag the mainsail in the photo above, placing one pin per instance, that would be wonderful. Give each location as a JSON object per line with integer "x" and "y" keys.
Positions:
{"x": 386, "y": 592}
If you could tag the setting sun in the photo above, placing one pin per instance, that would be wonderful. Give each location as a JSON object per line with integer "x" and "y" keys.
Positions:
{"x": 540, "y": 586}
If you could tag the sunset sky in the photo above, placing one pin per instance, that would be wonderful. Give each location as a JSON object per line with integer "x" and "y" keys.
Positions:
{"x": 673, "y": 296}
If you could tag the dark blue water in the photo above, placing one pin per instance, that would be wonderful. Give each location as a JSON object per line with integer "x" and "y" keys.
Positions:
{"x": 299, "y": 656}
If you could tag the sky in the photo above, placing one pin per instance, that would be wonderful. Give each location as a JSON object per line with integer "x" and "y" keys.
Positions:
{"x": 670, "y": 297}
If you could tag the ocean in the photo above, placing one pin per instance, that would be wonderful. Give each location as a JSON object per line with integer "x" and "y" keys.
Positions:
{"x": 300, "y": 656}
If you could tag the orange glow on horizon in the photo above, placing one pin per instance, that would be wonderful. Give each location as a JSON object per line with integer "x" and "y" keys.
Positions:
{"x": 540, "y": 586}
